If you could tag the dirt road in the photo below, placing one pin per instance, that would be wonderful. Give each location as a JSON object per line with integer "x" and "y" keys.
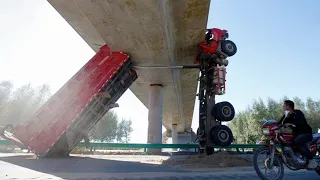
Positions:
{"x": 120, "y": 167}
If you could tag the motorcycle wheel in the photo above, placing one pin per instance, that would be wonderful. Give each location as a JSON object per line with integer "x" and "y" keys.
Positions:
{"x": 317, "y": 158}
{"x": 276, "y": 162}
{"x": 318, "y": 169}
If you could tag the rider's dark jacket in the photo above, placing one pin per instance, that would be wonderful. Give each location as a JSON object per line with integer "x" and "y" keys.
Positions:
{"x": 298, "y": 119}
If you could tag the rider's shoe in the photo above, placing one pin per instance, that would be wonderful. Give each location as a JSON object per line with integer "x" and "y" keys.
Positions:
{"x": 312, "y": 164}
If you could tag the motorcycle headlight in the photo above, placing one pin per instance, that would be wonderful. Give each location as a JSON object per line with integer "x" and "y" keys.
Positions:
{"x": 265, "y": 131}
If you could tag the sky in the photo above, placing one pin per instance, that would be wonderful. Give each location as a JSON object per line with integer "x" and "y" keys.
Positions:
{"x": 278, "y": 51}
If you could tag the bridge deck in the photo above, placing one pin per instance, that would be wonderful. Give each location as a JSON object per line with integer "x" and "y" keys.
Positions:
{"x": 153, "y": 32}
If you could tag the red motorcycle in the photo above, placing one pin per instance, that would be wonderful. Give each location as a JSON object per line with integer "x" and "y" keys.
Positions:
{"x": 279, "y": 149}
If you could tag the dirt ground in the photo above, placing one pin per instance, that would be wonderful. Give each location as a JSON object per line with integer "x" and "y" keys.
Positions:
{"x": 24, "y": 166}
{"x": 217, "y": 160}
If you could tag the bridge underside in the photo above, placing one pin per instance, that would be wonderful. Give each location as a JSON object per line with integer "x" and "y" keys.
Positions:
{"x": 152, "y": 32}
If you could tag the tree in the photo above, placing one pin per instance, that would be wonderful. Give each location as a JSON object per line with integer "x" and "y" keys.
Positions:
{"x": 312, "y": 112}
{"x": 124, "y": 130}
{"x": 42, "y": 94}
{"x": 246, "y": 126}
{"x": 109, "y": 129}
{"x": 5, "y": 90}
{"x": 164, "y": 138}
{"x": 17, "y": 106}
{"x": 106, "y": 129}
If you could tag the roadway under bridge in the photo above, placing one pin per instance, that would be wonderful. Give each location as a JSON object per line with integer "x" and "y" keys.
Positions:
{"x": 153, "y": 33}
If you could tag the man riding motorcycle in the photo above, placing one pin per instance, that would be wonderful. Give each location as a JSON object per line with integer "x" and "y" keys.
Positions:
{"x": 301, "y": 130}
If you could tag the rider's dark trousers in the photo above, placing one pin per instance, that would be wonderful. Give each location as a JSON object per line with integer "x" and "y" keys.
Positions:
{"x": 301, "y": 142}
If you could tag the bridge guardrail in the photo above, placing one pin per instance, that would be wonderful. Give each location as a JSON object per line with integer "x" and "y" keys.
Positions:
{"x": 101, "y": 145}
{"x": 182, "y": 146}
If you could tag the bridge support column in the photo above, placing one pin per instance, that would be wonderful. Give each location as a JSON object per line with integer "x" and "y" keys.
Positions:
{"x": 155, "y": 116}
{"x": 184, "y": 138}
{"x": 174, "y": 135}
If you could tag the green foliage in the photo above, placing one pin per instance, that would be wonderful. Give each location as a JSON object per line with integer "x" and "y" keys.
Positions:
{"x": 124, "y": 131}
{"x": 109, "y": 129}
{"x": 18, "y": 105}
{"x": 246, "y": 126}
{"x": 106, "y": 129}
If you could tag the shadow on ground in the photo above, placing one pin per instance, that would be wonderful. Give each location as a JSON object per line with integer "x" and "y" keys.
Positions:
{"x": 216, "y": 160}
{"x": 78, "y": 165}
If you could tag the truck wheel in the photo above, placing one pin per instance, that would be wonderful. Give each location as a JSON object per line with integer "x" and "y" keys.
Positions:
{"x": 228, "y": 47}
{"x": 221, "y": 135}
{"x": 223, "y": 111}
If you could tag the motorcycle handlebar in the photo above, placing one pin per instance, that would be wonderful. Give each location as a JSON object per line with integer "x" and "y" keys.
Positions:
{"x": 289, "y": 125}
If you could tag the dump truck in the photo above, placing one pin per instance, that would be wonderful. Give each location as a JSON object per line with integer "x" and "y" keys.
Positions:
{"x": 66, "y": 118}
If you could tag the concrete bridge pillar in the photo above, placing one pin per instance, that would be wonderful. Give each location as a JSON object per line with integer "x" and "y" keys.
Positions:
{"x": 184, "y": 138}
{"x": 174, "y": 132}
{"x": 155, "y": 106}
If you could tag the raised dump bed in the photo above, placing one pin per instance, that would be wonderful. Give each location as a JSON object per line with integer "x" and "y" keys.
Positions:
{"x": 63, "y": 121}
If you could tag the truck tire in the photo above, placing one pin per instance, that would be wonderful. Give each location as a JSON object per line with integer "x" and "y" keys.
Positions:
{"x": 223, "y": 111}
{"x": 221, "y": 135}
{"x": 228, "y": 47}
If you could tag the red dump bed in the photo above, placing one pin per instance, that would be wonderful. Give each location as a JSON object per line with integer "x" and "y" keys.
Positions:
{"x": 71, "y": 112}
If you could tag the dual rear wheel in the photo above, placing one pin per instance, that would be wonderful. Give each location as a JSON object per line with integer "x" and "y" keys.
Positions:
{"x": 222, "y": 135}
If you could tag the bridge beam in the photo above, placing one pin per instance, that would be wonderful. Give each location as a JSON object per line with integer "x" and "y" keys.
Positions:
{"x": 155, "y": 113}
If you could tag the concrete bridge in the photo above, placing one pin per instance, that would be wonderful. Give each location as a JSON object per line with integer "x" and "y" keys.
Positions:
{"x": 153, "y": 33}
